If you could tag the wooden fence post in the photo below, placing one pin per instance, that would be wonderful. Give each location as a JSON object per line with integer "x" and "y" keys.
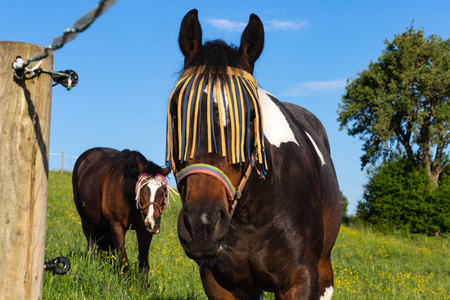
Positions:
{"x": 24, "y": 138}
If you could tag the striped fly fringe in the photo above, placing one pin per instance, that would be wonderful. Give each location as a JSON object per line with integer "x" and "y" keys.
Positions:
{"x": 229, "y": 96}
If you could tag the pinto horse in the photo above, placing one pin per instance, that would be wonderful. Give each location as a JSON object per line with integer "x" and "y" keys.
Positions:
{"x": 115, "y": 191}
{"x": 261, "y": 202}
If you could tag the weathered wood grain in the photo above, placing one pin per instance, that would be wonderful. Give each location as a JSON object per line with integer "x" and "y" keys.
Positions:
{"x": 24, "y": 145}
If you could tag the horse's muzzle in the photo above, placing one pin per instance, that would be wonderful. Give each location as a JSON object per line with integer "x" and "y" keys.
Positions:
{"x": 202, "y": 230}
{"x": 154, "y": 231}
{"x": 152, "y": 227}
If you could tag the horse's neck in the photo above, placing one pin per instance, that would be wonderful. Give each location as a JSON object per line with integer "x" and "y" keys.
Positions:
{"x": 255, "y": 198}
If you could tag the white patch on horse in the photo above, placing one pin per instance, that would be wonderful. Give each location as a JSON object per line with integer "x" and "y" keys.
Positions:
{"x": 204, "y": 218}
{"x": 276, "y": 127}
{"x": 328, "y": 293}
{"x": 150, "y": 219}
{"x": 317, "y": 149}
{"x": 153, "y": 185}
{"x": 224, "y": 103}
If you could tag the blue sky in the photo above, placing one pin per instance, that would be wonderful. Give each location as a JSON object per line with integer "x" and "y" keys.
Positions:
{"x": 129, "y": 59}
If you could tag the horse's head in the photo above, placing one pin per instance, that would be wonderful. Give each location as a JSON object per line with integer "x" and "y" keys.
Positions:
{"x": 152, "y": 198}
{"x": 143, "y": 184}
{"x": 214, "y": 132}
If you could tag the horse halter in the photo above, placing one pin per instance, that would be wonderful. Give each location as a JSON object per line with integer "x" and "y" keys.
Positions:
{"x": 233, "y": 193}
{"x": 143, "y": 180}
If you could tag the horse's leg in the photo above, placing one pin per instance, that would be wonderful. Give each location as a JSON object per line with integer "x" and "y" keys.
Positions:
{"x": 144, "y": 239}
{"x": 118, "y": 239}
{"x": 92, "y": 232}
{"x": 89, "y": 231}
{"x": 212, "y": 289}
{"x": 259, "y": 296}
{"x": 326, "y": 279}
{"x": 103, "y": 238}
{"x": 305, "y": 285}
{"x": 87, "y": 225}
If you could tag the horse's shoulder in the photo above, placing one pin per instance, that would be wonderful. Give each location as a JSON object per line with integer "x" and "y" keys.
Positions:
{"x": 310, "y": 121}
{"x": 278, "y": 128}
{"x": 295, "y": 117}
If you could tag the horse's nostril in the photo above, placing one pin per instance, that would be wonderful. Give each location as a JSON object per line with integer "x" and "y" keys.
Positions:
{"x": 216, "y": 219}
{"x": 187, "y": 208}
{"x": 187, "y": 222}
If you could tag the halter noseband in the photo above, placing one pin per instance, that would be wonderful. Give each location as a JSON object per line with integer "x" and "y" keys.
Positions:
{"x": 159, "y": 207}
{"x": 233, "y": 193}
{"x": 212, "y": 171}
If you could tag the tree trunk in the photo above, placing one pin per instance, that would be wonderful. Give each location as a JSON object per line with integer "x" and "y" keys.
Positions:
{"x": 433, "y": 173}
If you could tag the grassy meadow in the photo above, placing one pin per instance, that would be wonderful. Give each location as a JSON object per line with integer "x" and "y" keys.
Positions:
{"x": 367, "y": 265}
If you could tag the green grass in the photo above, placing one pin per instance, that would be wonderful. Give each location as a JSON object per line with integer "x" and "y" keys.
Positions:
{"x": 172, "y": 275}
{"x": 367, "y": 265}
{"x": 370, "y": 265}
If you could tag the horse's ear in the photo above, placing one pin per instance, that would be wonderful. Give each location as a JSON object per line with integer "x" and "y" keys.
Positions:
{"x": 252, "y": 40}
{"x": 164, "y": 171}
{"x": 190, "y": 39}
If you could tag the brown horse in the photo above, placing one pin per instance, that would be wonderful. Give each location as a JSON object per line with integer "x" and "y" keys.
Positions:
{"x": 261, "y": 203}
{"x": 116, "y": 191}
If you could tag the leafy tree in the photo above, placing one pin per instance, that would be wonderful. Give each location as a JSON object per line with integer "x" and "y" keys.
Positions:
{"x": 401, "y": 103}
{"x": 397, "y": 196}
{"x": 345, "y": 219}
{"x": 344, "y": 205}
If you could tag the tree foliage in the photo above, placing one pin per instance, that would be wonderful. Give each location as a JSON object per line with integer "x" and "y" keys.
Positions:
{"x": 398, "y": 196}
{"x": 344, "y": 205}
{"x": 401, "y": 103}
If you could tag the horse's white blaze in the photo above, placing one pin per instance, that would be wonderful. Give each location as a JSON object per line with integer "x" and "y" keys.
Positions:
{"x": 276, "y": 127}
{"x": 153, "y": 185}
{"x": 150, "y": 218}
{"x": 319, "y": 153}
{"x": 224, "y": 102}
{"x": 327, "y": 294}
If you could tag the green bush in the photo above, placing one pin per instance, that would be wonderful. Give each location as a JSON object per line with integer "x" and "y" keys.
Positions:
{"x": 399, "y": 196}
{"x": 344, "y": 205}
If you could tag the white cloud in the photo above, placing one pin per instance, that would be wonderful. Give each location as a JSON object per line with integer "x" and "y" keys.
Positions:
{"x": 284, "y": 25}
{"x": 318, "y": 87}
{"x": 223, "y": 24}
{"x": 227, "y": 25}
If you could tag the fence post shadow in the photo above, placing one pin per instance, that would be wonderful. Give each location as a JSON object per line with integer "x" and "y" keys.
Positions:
{"x": 34, "y": 117}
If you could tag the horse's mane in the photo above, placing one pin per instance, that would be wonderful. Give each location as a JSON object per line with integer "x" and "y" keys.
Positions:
{"x": 216, "y": 55}
{"x": 126, "y": 165}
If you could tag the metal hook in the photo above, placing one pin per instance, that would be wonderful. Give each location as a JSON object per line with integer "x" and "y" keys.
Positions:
{"x": 59, "y": 265}
{"x": 64, "y": 80}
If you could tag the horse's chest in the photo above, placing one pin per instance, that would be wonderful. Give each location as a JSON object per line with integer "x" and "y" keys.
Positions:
{"x": 263, "y": 254}
{"x": 247, "y": 270}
